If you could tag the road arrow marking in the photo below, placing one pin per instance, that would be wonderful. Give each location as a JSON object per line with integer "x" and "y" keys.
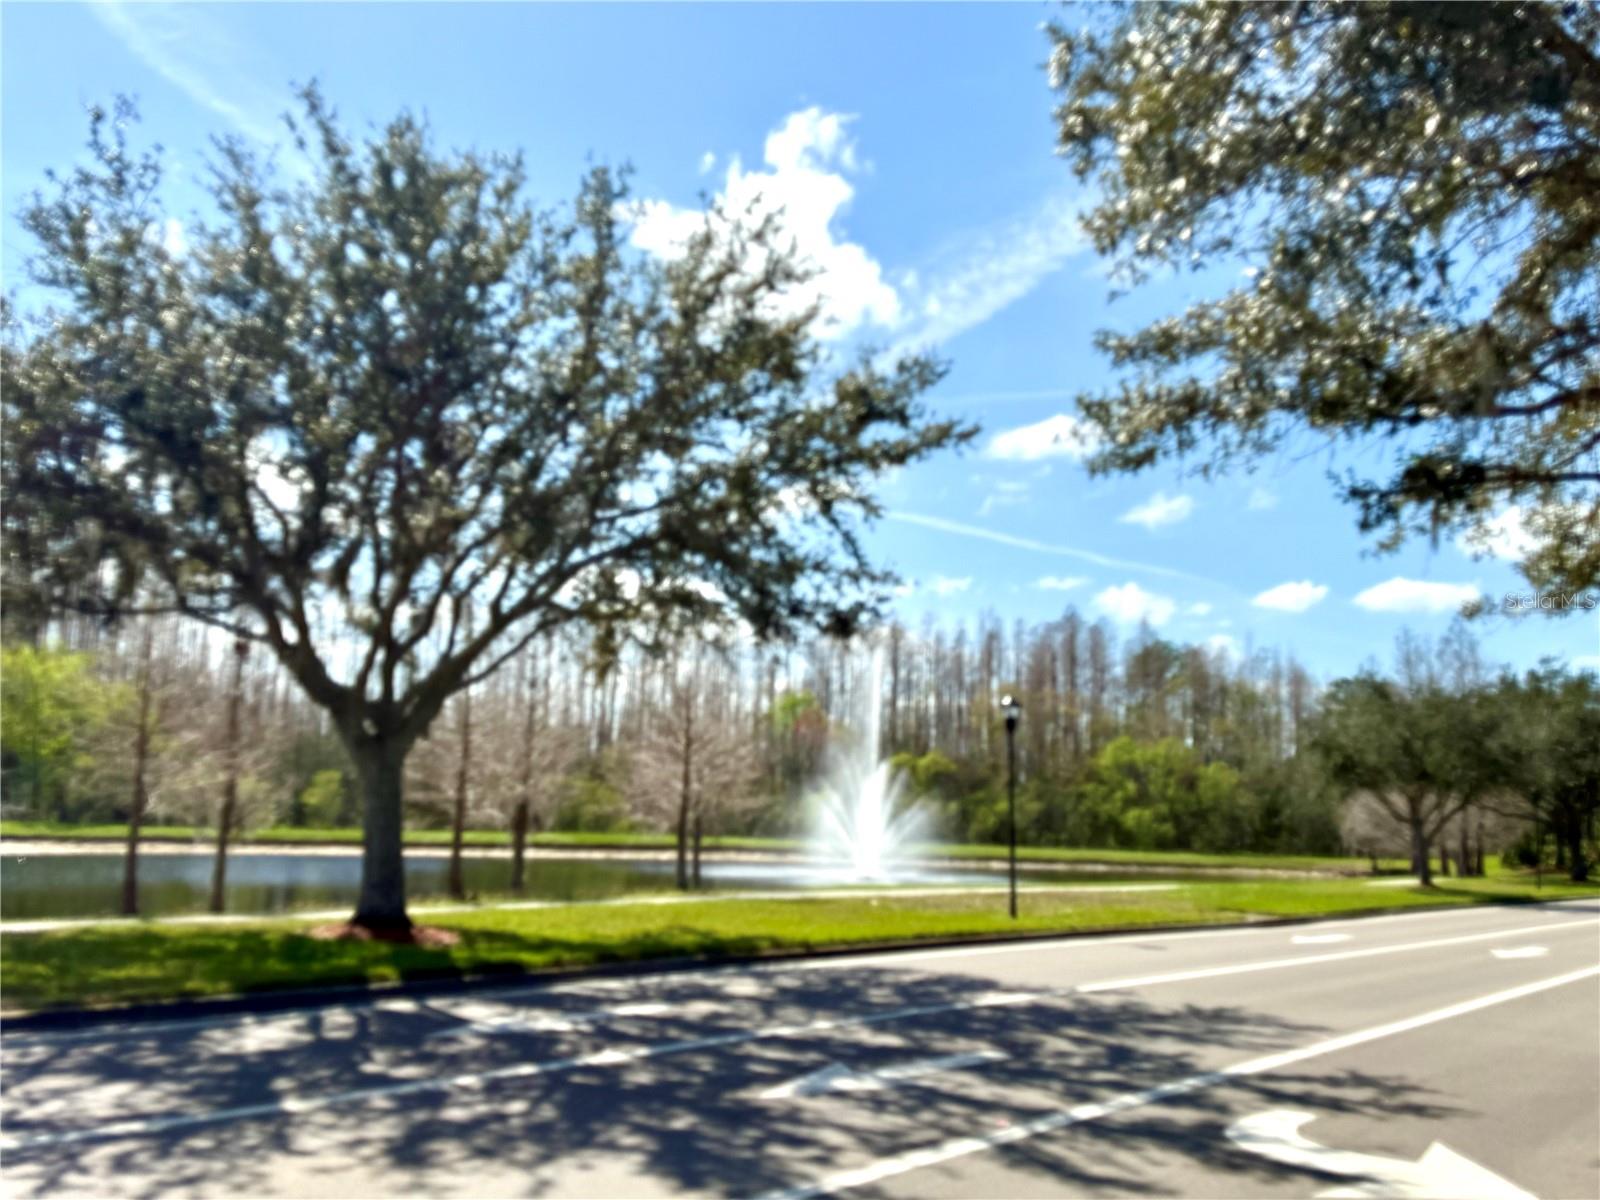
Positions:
{"x": 1318, "y": 939}
{"x": 1439, "y": 1173}
{"x": 1522, "y": 952}
{"x": 836, "y": 1077}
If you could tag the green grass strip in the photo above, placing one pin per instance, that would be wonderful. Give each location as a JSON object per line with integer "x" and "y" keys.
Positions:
{"x": 150, "y": 961}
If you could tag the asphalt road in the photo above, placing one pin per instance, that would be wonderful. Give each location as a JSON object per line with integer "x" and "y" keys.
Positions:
{"x": 1448, "y": 1054}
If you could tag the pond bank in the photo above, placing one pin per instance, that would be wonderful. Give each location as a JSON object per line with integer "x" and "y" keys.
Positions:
{"x": 26, "y": 847}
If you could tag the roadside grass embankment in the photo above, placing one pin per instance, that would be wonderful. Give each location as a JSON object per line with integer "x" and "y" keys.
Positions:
{"x": 149, "y": 961}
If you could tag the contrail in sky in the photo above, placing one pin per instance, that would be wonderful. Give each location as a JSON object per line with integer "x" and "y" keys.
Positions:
{"x": 1022, "y": 543}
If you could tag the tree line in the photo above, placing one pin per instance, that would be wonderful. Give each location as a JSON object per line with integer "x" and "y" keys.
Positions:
{"x": 1126, "y": 743}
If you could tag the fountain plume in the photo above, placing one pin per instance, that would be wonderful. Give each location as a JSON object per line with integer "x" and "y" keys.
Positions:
{"x": 863, "y": 817}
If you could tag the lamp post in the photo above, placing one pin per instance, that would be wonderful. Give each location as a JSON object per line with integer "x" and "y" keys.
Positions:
{"x": 1013, "y": 712}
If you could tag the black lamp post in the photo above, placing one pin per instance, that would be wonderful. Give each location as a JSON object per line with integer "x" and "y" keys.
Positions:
{"x": 1013, "y": 711}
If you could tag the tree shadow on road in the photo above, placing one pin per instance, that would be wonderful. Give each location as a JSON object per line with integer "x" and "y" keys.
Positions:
{"x": 690, "y": 1117}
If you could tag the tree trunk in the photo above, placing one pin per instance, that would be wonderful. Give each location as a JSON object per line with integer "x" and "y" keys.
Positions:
{"x": 519, "y": 815}
{"x": 1420, "y": 855}
{"x": 456, "y": 883}
{"x": 519, "y": 843}
{"x": 1464, "y": 854}
{"x": 685, "y": 795}
{"x": 1577, "y": 863}
{"x": 141, "y": 756}
{"x": 697, "y": 832}
{"x": 683, "y": 839}
{"x": 230, "y": 782}
{"x": 381, "y": 905}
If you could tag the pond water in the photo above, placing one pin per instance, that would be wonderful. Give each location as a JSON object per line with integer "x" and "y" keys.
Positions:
{"x": 89, "y": 884}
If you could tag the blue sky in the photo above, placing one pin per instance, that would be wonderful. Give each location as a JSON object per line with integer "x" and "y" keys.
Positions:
{"x": 911, "y": 149}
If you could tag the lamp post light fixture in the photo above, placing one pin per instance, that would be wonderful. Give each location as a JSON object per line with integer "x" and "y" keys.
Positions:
{"x": 1013, "y": 713}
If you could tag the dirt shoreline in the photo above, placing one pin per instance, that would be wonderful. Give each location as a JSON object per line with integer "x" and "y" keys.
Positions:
{"x": 24, "y": 847}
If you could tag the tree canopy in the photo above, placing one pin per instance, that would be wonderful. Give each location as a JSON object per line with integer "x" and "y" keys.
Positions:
{"x": 1413, "y": 194}
{"x": 393, "y": 422}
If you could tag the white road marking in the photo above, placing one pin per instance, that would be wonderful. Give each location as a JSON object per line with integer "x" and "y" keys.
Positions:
{"x": 614, "y": 1057}
{"x": 1521, "y": 952}
{"x": 502, "y": 1018}
{"x": 1273, "y": 964}
{"x": 944, "y": 1152}
{"x": 1440, "y": 1172}
{"x": 1318, "y": 939}
{"x": 836, "y": 1077}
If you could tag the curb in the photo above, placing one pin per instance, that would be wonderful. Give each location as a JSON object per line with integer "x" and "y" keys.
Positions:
{"x": 446, "y": 982}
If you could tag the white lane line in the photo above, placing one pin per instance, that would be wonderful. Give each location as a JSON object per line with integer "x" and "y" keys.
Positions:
{"x": 1318, "y": 939}
{"x": 615, "y": 1057}
{"x": 1521, "y": 952}
{"x": 1079, "y": 940}
{"x": 1272, "y": 964}
{"x": 1079, "y": 1114}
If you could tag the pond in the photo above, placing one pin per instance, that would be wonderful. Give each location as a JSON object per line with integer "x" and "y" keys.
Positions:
{"x": 89, "y": 883}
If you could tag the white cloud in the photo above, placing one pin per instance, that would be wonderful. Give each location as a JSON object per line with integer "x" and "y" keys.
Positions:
{"x": 1159, "y": 510}
{"x": 1261, "y": 500}
{"x": 707, "y": 161}
{"x": 1198, "y": 609}
{"x": 992, "y": 269}
{"x": 1415, "y": 595}
{"x": 172, "y": 238}
{"x": 1504, "y": 536}
{"x": 1224, "y": 642}
{"x": 1060, "y": 436}
{"x": 1292, "y": 597}
{"x": 1130, "y": 604}
{"x": 1060, "y": 583}
{"x": 1587, "y": 662}
{"x": 944, "y": 585}
{"x": 804, "y": 190}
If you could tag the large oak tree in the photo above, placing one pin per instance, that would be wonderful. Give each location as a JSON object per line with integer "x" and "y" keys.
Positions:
{"x": 391, "y": 422}
{"x": 1412, "y": 192}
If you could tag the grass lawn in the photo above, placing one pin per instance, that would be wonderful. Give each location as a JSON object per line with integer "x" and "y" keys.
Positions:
{"x": 279, "y": 835}
{"x": 149, "y": 961}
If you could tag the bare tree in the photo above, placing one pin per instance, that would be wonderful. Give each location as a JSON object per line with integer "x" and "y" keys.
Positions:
{"x": 699, "y": 763}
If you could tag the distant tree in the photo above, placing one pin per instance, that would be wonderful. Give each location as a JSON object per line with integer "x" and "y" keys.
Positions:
{"x": 322, "y": 799}
{"x": 699, "y": 763}
{"x": 232, "y": 756}
{"x": 1420, "y": 754}
{"x": 1413, "y": 191}
{"x": 525, "y": 756}
{"x": 50, "y": 707}
{"x": 357, "y": 403}
{"x": 1159, "y": 796}
{"x": 1552, "y": 755}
